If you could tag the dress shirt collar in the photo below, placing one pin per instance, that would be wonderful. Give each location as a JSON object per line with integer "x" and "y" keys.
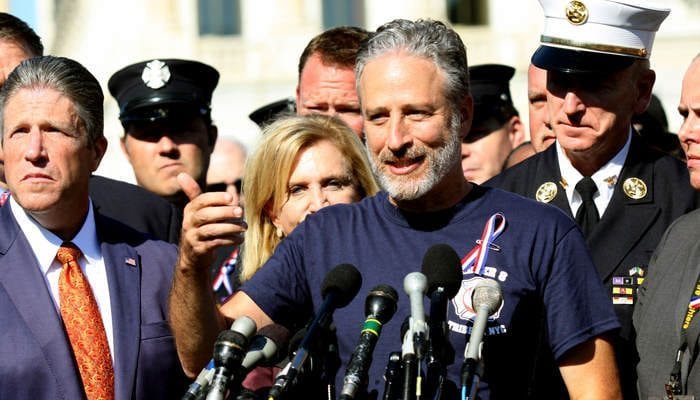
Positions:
{"x": 45, "y": 244}
{"x": 605, "y": 178}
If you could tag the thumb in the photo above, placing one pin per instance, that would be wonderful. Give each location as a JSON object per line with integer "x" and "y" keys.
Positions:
{"x": 188, "y": 185}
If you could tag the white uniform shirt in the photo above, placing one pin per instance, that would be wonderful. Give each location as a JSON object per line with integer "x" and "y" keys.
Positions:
{"x": 605, "y": 178}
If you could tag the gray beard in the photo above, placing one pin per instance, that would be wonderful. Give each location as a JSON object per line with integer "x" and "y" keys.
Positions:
{"x": 440, "y": 160}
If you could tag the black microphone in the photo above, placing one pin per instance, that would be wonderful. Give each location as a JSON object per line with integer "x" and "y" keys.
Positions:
{"x": 230, "y": 348}
{"x": 486, "y": 300}
{"x": 380, "y": 306}
{"x": 340, "y": 286}
{"x": 414, "y": 342}
{"x": 443, "y": 269}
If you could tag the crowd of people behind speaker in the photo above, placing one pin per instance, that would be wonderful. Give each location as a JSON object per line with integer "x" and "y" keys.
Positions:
{"x": 638, "y": 192}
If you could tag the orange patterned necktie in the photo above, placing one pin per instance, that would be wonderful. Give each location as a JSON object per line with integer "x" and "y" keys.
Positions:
{"x": 84, "y": 326}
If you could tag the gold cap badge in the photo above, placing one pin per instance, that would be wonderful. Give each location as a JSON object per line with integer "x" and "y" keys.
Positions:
{"x": 576, "y": 12}
{"x": 634, "y": 188}
{"x": 546, "y": 192}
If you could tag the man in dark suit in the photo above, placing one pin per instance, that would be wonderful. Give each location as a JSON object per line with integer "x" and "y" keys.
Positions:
{"x": 598, "y": 77}
{"x": 665, "y": 318}
{"x": 101, "y": 314}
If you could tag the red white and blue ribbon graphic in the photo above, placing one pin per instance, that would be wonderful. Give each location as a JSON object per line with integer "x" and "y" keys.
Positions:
{"x": 475, "y": 261}
{"x": 222, "y": 278}
{"x": 695, "y": 302}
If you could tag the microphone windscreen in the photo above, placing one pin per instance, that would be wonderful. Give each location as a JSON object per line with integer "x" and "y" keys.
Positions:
{"x": 443, "y": 268}
{"x": 345, "y": 281}
{"x": 487, "y": 293}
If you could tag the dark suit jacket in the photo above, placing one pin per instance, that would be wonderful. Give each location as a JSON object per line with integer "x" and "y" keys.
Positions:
{"x": 36, "y": 361}
{"x": 629, "y": 230}
{"x": 662, "y": 304}
{"x": 136, "y": 207}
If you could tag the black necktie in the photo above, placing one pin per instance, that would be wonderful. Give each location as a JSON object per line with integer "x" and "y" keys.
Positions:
{"x": 587, "y": 214}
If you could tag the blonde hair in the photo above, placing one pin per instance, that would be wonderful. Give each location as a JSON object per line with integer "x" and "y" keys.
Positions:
{"x": 267, "y": 172}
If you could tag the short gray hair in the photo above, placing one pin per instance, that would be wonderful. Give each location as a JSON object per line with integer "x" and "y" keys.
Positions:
{"x": 66, "y": 76}
{"x": 424, "y": 38}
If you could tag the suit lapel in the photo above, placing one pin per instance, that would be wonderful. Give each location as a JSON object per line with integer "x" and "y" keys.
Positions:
{"x": 123, "y": 273}
{"x": 611, "y": 240}
{"x": 21, "y": 278}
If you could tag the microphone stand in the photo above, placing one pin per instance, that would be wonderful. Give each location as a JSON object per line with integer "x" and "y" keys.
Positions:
{"x": 440, "y": 353}
{"x": 331, "y": 363}
{"x": 473, "y": 363}
{"x": 411, "y": 368}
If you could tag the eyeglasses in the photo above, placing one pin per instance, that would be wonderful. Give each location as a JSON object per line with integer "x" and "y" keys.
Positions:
{"x": 222, "y": 186}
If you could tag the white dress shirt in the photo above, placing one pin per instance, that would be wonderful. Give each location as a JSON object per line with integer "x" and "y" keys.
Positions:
{"x": 45, "y": 245}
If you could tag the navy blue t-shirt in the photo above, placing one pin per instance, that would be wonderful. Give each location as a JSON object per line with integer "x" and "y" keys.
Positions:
{"x": 553, "y": 298}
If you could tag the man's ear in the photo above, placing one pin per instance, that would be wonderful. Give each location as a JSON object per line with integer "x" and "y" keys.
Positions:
{"x": 100, "y": 148}
{"x": 466, "y": 109}
{"x": 645, "y": 85}
{"x": 516, "y": 131}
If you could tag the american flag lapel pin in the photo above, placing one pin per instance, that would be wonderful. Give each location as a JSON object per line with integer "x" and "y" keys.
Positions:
{"x": 130, "y": 261}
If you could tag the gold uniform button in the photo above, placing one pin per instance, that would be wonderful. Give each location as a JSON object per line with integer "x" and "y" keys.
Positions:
{"x": 546, "y": 192}
{"x": 634, "y": 188}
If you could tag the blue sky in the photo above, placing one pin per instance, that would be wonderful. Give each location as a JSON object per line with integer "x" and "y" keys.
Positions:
{"x": 24, "y": 10}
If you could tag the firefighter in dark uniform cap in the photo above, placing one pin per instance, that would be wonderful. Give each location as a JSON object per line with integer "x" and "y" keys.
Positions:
{"x": 496, "y": 129}
{"x": 164, "y": 107}
{"x": 622, "y": 193}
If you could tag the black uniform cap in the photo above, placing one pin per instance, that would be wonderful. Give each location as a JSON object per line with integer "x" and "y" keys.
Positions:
{"x": 156, "y": 89}
{"x": 490, "y": 88}
{"x": 270, "y": 112}
{"x": 571, "y": 61}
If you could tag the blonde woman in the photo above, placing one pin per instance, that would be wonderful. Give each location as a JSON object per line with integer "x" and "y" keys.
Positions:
{"x": 302, "y": 164}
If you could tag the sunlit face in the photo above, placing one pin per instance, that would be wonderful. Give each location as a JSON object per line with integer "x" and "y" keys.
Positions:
{"x": 541, "y": 134}
{"x": 321, "y": 176}
{"x": 689, "y": 132}
{"x": 47, "y": 158}
{"x": 407, "y": 125}
{"x": 160, "y": 150}
{"x": 330, "y": 90}
{"x": 591, "y": 113}
{"x": 484, "y": 157}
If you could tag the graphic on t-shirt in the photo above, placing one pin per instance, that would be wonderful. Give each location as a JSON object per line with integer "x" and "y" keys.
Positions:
{"x": 463, "y": 300}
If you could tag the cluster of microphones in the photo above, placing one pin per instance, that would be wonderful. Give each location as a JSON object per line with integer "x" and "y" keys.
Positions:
{"x": 417, "y": 371}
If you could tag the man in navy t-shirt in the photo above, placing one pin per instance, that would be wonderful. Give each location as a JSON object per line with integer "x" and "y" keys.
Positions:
{"x": 414, "y": 92}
